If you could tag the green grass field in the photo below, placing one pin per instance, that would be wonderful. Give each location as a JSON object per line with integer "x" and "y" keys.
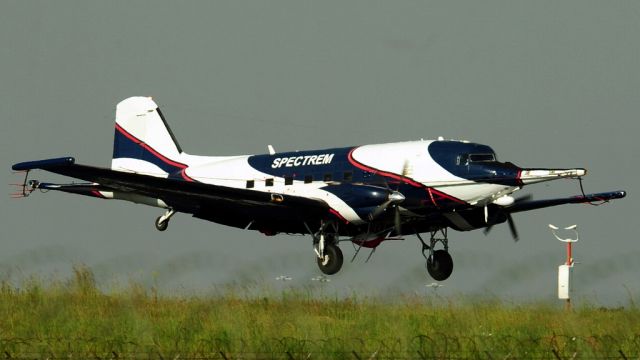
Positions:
{"x": 73, "y": 319}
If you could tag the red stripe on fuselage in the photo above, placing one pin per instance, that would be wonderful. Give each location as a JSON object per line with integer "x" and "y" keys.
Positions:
{"x": 433, "y": 200}
{"x": 337, "y": 214}
{"x": 433, "y": 191}
{"x": 185, "y": 176}
{"x": 150, "y": 149}
{"x": 518, "y": 178}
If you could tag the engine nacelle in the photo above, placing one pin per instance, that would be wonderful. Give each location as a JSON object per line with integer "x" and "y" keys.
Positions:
{"x": 363, "y": 199}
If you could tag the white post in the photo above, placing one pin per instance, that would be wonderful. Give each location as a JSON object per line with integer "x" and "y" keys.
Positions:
{"x": 565, "y": 271}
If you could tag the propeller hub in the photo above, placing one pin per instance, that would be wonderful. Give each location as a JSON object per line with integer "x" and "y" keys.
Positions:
{"x": 396, "y": 197}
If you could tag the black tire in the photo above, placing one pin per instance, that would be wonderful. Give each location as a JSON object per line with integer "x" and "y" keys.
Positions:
{"x": 161, "y": 226}
{"x": 440, "y": 265}
{"x": 332, "y": 262}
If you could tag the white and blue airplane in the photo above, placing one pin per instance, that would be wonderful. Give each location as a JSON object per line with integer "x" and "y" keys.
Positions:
{"x": 364, "y": 194}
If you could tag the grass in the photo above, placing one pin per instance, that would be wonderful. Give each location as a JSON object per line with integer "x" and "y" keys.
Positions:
{"x": 74, "y": 318}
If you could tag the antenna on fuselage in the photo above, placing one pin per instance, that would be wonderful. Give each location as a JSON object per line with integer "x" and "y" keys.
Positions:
{"x": 272, "y": 151}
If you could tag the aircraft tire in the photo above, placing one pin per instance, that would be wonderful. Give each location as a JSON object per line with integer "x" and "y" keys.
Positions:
{"x": 440, "y": 265}
{"x": 161, "y": 226}
{"x": 333, "y": 259}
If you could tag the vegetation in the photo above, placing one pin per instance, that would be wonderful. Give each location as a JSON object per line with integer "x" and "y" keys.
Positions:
{"x": 73, "y": 318}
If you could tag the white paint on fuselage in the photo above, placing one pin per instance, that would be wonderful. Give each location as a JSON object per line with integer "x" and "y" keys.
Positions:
{"x": 414, "y": 155}
{"x": 137, "y": 166}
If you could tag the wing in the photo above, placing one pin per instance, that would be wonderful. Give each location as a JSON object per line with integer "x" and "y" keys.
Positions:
{"x": 580, "y": 199}
{"x": 203, "y": 200}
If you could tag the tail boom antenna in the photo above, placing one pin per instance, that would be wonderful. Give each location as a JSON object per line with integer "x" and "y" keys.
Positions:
{"x": 26, "y": 187}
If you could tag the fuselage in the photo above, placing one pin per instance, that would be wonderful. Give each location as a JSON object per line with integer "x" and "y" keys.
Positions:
{"x": 430, "y": 174}
{"x": 442, "y": 182}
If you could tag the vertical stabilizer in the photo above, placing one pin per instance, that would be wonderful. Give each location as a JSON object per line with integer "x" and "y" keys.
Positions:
{"x": 143, "y": 141}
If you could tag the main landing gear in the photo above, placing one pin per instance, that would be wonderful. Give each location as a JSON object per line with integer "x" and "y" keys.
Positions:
{"x": 439, "y": 262}
{"x": 162, "y": 222}
{"x": 330, "y": 262}
{"x": 325, "y": 245}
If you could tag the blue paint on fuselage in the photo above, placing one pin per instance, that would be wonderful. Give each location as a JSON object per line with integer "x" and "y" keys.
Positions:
{"x": 308, "y": 165}
{"x": 457, "y": 158}
{"x": 343, "y": 172}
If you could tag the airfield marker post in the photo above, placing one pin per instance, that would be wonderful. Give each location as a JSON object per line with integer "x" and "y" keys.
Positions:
{"x": 565, "y": 271}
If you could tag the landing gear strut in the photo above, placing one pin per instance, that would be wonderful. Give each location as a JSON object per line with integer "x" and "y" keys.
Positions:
{"x": 162, "y": 222}
{"x": 439, "y": 262}
{"x": 325, "y": 245}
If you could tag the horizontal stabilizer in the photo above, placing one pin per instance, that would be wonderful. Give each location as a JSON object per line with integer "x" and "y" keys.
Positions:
{"x": 43, "y": 164}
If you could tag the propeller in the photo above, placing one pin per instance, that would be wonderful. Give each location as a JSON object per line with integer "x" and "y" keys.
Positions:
{"x": 394, "y": 198}
{"x": 397, "y": 223}
{"x": 504, "y": 211}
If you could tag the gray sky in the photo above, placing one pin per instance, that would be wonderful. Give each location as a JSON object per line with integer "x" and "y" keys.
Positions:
{"x": 546, "y": 83}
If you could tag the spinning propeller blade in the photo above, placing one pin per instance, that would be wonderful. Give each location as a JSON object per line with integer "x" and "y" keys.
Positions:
{"x": 512, "y": 227}
{"x": 379, "y": 210}
{"x": 504, "y": 211}
{"x": 397, "y": 221}
{"x": 395, "y": 197}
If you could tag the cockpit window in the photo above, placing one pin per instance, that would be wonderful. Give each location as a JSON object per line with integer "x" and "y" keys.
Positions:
{"x": 466, "y": 159}
{"x": 481, "y": 158}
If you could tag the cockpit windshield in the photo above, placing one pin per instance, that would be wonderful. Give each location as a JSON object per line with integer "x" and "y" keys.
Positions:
{"x": 481, "y": 157}
{"x": 466, "y": 159}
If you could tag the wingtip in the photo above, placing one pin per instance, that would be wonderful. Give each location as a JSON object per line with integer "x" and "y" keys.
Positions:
{"x": 43, "y": 164}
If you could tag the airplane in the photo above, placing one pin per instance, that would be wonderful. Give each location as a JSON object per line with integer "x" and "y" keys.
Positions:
{"x": 365, "y": 194}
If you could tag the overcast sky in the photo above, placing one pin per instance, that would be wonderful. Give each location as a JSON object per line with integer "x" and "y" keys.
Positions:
{"x": 545, "y": 83}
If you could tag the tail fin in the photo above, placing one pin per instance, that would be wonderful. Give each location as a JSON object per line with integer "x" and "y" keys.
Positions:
{"x": 143, "y": 141}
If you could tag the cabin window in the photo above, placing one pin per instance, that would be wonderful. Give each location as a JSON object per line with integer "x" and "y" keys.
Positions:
{"x": 348, "y": 176}
{"x": 268, "y": 182}
{"x": 288, "y": 180}
{"x": 250, "y": 184}
{"x": 308, "y": 179}
{"x": 327, "y": 177}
